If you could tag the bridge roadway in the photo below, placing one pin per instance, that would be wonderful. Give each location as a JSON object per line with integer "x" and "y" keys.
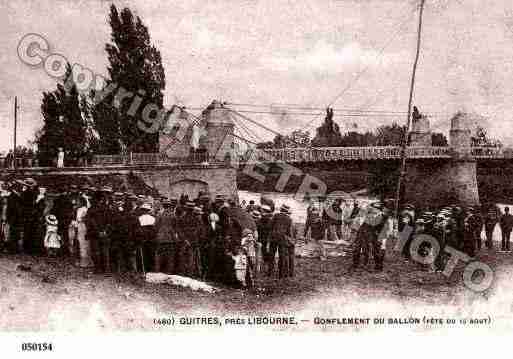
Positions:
{"x": 315, "y": 154}
{"x": 324, "y": 154}
{"x": 290, "y": 155}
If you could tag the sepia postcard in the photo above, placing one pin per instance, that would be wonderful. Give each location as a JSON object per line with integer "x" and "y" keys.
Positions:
{"x": 333, "y": 170}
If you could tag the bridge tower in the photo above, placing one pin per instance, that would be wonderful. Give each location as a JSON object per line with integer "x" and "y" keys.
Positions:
{"x": 219, "y": 130}
{"x": 444, "y": 181}
{"x": 213, "y": 133}
{"x": 420, "y": 135}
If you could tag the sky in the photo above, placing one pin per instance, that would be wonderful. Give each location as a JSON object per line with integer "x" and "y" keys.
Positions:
{"x": 345, "y": 53}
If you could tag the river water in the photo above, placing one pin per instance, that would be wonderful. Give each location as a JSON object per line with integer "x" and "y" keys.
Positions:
{"x": 298, "y": 208}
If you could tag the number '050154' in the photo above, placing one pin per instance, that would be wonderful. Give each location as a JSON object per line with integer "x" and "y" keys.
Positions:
{"x": 39, "y": 347}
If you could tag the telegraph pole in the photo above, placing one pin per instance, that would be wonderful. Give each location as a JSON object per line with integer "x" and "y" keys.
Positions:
{"x": 408, "y": 121}
{"x": 15, "y": 128}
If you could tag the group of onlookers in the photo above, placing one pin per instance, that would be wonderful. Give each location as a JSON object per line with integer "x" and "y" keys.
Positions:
{"x": 109, "y": 231}
{"x": 457, "y": 227}
{"x": 366, "y": 230}
{"x": 213, "y": 237}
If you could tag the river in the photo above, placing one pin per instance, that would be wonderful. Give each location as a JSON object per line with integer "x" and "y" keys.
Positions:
{"x": 298, "y": 208}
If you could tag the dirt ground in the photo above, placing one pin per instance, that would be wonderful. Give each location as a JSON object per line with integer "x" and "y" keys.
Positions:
{"x": 51, "y": 294}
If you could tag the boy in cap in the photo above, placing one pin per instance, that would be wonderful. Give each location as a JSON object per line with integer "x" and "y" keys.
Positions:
{"x": 250, "y": 248}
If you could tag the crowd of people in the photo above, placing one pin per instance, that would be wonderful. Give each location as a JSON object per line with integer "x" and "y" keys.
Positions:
{"x": 216, "y": 238}
{"x": 457, "y": 227}
{"x": 367, "y": 231}
{"x": 124, "y": 232}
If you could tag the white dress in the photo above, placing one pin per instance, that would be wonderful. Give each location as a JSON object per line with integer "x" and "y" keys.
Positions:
{"x": 60, "y": 159}
{"x": 52, "y": 238}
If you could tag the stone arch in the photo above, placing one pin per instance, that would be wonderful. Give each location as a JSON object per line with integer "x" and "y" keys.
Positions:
{"x": 189, "y": 186}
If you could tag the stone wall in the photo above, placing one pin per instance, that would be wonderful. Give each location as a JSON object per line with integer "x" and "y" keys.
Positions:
{"x": 173, "y": 182}
{"x": 441, "y": 183}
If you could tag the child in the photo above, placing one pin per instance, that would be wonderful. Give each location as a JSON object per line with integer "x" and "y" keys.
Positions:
{"x": 52, "y": 239}
{"x": 241, "y": 266}
{"x": 250, "y": 246}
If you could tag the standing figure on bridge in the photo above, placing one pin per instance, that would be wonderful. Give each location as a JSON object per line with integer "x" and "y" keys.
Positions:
{"x": 506, "y": 223}
{"x": 60, "y": 158}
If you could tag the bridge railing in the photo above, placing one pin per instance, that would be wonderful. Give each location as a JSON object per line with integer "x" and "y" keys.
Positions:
{"x": 428, "y": 152}
{"x": 148, "y": 159}
{"x": 347, "y": 153}
{"x": 109, "y": 160}
{"x": 302, "y": 155}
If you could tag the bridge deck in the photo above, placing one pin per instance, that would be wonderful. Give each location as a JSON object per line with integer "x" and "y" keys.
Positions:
{"x": 290, "y": 155}
{"x": 369, "y": 153}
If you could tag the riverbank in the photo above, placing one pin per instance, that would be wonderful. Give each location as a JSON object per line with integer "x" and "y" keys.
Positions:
{"x": 50, "y": 294}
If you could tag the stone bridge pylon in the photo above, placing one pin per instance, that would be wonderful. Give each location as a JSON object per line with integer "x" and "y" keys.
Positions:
{"x": 441, "y": 182}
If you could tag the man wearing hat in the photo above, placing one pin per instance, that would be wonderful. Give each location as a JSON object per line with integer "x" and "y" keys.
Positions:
{"x": 165, "y": 251}
{"x": 28, "y": 198}
{"x": 369, "y": 234}
{"x": 281, "y": 241}
{"x": 506, "y": 225}
{"x": 145, "y": 236}
{"x": 99, "y": 231}
{"x": 186, "y": 230}
{"x": 200, "y": 243}
{"x": 14, "y": 218}
{"x": 264, "y": 227}
{"x": 317, "y": 228}
{"x": 334, "y": 218}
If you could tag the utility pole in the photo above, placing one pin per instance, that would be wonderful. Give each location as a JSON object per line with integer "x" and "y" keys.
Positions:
{"x": 15, "y": 128}
{"x": 408, "y": 121}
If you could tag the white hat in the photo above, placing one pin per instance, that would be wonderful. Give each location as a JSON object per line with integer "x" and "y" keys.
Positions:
{"x": 51, "y": 220}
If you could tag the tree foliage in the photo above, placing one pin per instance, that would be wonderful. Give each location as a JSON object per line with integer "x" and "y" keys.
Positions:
{"x": 328, "y": 134}
{"x": 135, "y": 66}
{"x": 63, "y": 123}
{"x": 439, "y": 139}
{"x": 297, "y": 138}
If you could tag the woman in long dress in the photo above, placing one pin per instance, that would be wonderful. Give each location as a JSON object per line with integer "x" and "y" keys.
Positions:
{"x": 84, "y": 247}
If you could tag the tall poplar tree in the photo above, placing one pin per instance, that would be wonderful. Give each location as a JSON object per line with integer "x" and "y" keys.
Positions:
{"x": 135, "y": 66}
{"x": 63, "y": 123}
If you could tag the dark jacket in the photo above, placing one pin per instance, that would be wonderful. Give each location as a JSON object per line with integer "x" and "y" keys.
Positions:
{"x": 120, "y": 227}
{"x": 281, "y": 227}
{"x": 166, "y": 227}
{"x": 506, "y": 222}
{"x": 317, "y": 227}
{"x": 264, "y": 228}
{"x": 14, "y": 210}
